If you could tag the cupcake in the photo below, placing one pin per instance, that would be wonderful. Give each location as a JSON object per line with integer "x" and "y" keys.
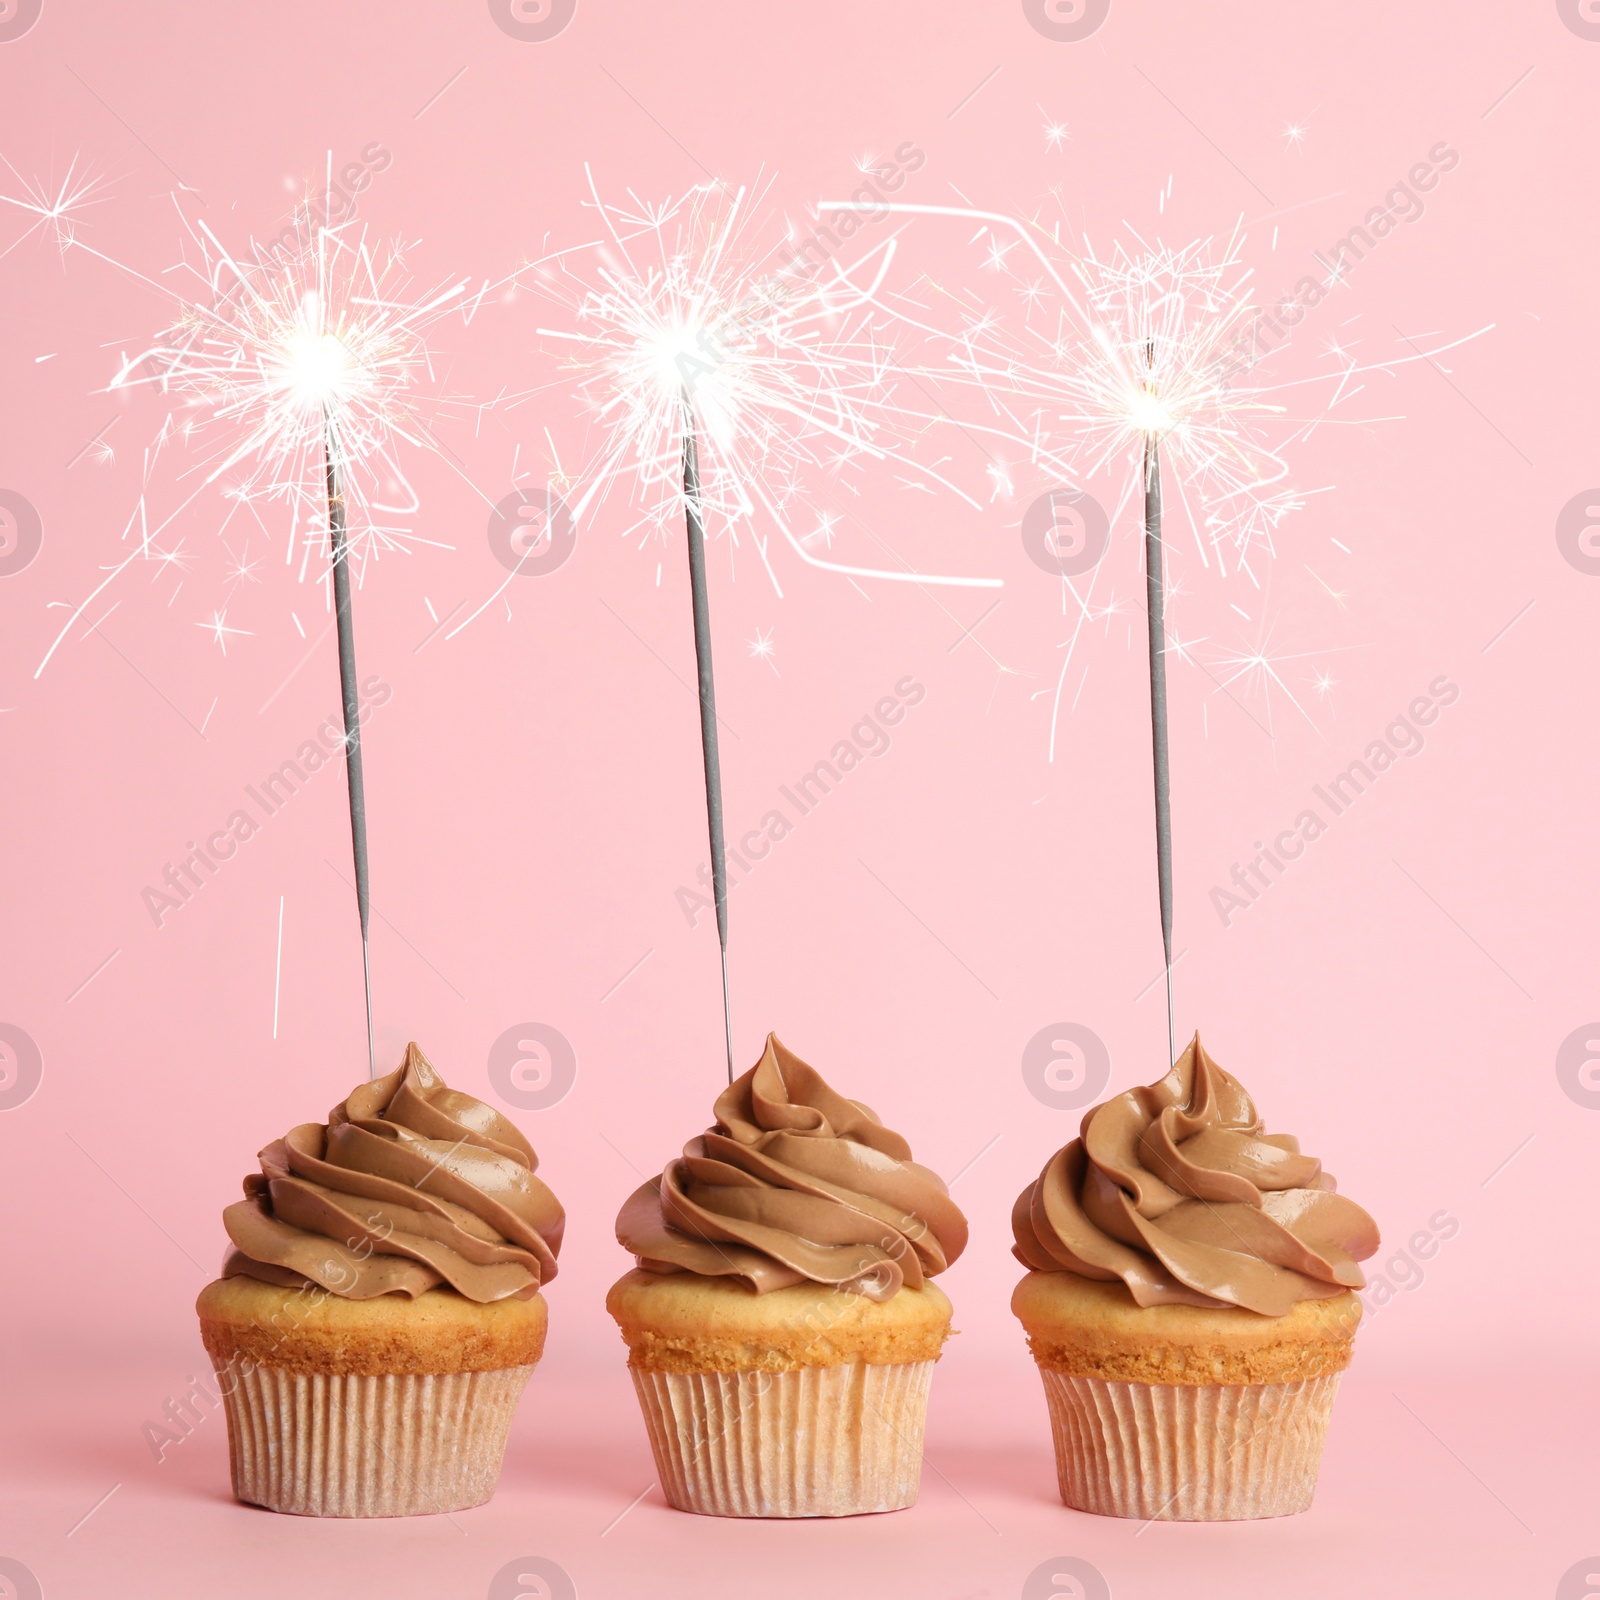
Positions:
{"x": 379, "y": 1312}
{"x": 781, "y": 1328}
{"x": 1190, "y": 1302}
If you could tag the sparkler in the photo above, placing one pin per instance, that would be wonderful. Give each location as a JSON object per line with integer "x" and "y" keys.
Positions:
{"x": 1149, "y": 352}
{"x": 267, "y": 349}
{"x": 309, "y": 360}
{"x": 1155, "y": 614}
{"x": 289, "y": 349}
{"x": 725, "y": 379}
{"x": 349, "y": 694}
{"x": 708, "y": 704}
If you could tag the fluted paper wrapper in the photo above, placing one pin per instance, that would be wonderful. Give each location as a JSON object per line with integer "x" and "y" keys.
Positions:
{"x": 397, "y": 1445}
{"x": 1188, "y": 1453}
{"x": 814, "y": 1442}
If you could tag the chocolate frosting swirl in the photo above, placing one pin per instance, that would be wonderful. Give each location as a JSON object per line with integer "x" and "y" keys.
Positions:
{"x": 795, "y": 1184}
{"x": 409, "y": 1185}
{"x": 1176, "y": 1190}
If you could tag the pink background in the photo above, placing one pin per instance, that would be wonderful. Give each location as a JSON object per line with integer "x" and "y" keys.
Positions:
{"x": 1398, "y": 999}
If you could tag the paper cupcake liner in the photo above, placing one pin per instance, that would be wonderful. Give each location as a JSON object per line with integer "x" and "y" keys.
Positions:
{"x": 830, "y": 1441}
{"x": 397, "y": 1445}
{"x": 1188, "y": 1453}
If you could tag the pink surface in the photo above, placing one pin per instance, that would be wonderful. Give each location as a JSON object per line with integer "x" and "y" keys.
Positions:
{"x": 1399, "y": 998}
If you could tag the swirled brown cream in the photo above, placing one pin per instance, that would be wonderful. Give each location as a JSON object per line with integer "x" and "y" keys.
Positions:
{"x": 795, "y": 1184}
{"x": 1176, "y": 1190}
{"x": 409, "y": 1185}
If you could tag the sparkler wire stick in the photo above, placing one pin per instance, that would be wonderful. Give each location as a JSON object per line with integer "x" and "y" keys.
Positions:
{"x": 340, "y": 555}
{"x": 708, "y": 704}
{"x": 1155, "y": 605}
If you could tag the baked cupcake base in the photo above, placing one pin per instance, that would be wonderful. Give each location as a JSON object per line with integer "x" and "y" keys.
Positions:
{"x": 815, "y": 1442}
{"x": 318, "y": 1444}
{"x": 1180, "y": 1413}
{"x": 367, "y": 1408}
{"x": 802, "y": 1402}
{"x": 1187, "y": 1452}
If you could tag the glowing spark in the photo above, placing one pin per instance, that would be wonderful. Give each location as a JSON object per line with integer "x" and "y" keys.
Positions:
{"x": 823, "y": 530}
{"x": 243, "y": 569}
{"x": 1294, "y": 134}
{"x": 775, "y": 359}
{"x": 219, "y": 630}
{"x": 287, "y": 351}
{"x": 1256, "y": 670}
{"x": 175, "y": 557}
{"x": 56, "y": 211}
{"x": 1056, "y": 133}
{"x": 762, "y": 648}
{"x": 279, "y": 354}
{"x": 1338, "y": 270}
{"x": 1149, "y": 342}
{"x": 1183, "y": 649}
{"x": 998, "y": 251}
{"x": 1152, "y": 339}
{"x": 1326, "y": 683}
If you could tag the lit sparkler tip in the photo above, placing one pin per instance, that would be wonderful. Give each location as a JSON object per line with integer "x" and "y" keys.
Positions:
{"x": 774, "y": 357}
{"x": 275, "y": 354}
{"x": 291, "y": 346}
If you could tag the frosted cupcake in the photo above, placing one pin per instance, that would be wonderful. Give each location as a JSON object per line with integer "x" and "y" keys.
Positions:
{"x": 379, "y": 1312}
{"x": 1191, "y": 1303}
{"x": 781, "y": 1328}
